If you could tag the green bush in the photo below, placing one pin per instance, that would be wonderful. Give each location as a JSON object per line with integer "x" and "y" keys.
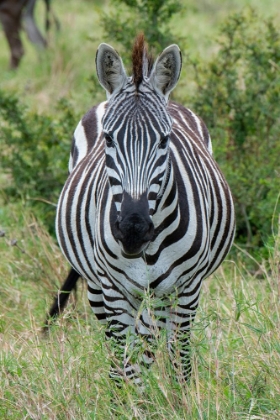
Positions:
{"x": 130, "y": 17}
{"x": 238, "y": 96}
{"x": 34, "y": 151}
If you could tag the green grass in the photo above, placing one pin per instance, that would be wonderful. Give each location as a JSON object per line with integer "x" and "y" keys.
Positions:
{"x": 235, "y": 339}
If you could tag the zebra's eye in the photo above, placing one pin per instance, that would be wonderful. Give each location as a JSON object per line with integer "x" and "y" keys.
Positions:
{"x": 163, "y": 142}
{"x": 109, "y": 140}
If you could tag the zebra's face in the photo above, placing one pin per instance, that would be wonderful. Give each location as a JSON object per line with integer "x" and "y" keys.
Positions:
{"x": 136, "y": 127}
{"x": 136, "y": 136}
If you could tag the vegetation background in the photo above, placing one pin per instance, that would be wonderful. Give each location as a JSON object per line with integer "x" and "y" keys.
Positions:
{"x": 230, "y": 77}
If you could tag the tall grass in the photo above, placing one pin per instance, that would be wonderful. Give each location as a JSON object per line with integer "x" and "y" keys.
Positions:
{"x": 64, "y": 375}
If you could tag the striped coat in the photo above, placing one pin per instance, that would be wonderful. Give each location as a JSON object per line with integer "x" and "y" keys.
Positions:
{"x": 145, "y": 210}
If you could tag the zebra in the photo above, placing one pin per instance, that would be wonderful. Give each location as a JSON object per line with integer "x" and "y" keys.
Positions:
{"x": 145, "y": 211}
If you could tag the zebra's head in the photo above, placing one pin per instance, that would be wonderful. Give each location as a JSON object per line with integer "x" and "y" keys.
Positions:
{"x": 137, "y": 127}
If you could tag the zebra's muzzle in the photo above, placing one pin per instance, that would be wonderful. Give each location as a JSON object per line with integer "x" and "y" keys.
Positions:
{"x": 133, "y": 228}
{"x": 134, "y": 234}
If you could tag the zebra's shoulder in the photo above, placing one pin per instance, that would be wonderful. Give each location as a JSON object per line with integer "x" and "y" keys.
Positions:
{"x": 187, "y": 119}
{"x": 86, "y": 134}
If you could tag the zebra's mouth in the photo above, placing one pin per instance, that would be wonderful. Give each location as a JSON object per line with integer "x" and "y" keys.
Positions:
{"x": 138, "y": 254}
{"x": 132, "y": 256}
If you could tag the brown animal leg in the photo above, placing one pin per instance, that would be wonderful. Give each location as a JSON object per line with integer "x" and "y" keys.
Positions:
{"x": 10, "y": 19}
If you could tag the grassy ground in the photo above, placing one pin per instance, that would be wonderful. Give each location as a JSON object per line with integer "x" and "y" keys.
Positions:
{"x": 235, "y": 339}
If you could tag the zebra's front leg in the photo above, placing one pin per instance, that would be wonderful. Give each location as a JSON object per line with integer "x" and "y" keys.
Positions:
{"x": 179, "y": 352}
{"x": 120, "y": 330}
{"x": 125, "y": 348}
{"x": 179, "y": 325}
{"x": 121, "y": 334}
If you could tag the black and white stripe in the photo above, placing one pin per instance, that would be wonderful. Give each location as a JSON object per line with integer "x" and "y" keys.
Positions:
{"x": 141, "y": 163}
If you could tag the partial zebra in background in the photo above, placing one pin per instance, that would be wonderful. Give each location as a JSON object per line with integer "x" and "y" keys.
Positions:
{"x": 17, "y": 13}
{"x": 145, "y": 211}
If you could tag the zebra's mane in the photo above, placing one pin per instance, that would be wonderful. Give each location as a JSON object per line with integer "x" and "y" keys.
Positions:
{"x": 142, "y": 60}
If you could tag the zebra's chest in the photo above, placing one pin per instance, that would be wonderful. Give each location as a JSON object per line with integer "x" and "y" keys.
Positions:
{"x": 172, "y": 258}
{"x": 161, "y": 272}
{"x": 134, "y": 276}
{"x": 162, "y": 268}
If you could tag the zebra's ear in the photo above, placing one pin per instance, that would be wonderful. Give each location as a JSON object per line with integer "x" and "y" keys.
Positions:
{"x": 166, "y": 71}
{"x": 110, "y": 69}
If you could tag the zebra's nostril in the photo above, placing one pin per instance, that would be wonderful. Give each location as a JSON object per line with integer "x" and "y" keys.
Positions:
{"x": 118, "y": 233}
{"x": 150, "y": 232}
